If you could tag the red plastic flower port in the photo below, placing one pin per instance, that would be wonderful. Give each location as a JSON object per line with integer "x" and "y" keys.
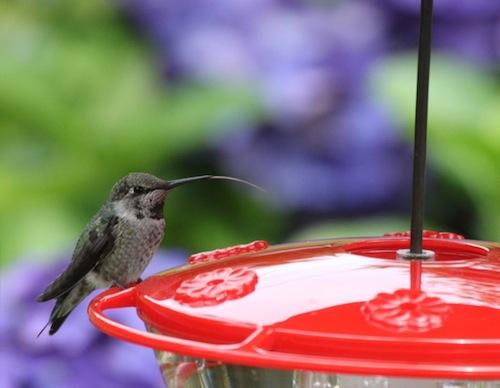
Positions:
{"x": 429, "y": 234}
{"x": 406, "y": 311}
{"x": 222, "y": 253}
{"x": 215, "y": 287}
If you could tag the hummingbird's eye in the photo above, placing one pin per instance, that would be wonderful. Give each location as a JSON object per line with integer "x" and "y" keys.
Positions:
{"x": 137, "y": 190}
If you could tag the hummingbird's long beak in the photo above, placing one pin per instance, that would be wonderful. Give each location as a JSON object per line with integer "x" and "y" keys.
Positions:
{"x": 179, "y": 182}
{"x": 168, "y": 185}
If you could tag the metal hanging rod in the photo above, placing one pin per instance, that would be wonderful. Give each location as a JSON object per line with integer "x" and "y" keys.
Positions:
{"x": 419, "y": 156}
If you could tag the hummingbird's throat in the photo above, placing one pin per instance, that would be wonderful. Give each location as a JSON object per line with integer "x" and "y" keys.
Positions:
{"x": 151, "y": 204}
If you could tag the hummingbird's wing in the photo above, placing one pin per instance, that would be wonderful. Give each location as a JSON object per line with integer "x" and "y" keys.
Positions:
{"x": 95, "y": 243}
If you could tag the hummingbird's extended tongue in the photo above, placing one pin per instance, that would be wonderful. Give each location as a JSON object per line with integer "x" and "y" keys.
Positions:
{"x": 230, "y": 178}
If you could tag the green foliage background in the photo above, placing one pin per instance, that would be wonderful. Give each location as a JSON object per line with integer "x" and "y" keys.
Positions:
{"x": 464, "y": 128}
{"x": 81, "y": 107}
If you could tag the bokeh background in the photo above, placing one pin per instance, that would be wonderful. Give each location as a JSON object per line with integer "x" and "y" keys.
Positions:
{"x": 311, "y": 99}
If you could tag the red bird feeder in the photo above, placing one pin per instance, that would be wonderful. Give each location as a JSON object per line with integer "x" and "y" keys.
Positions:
{"x": 323, "y": 314}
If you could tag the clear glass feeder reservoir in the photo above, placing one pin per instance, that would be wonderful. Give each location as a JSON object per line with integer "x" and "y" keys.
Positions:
{"x": 344, "y": 313}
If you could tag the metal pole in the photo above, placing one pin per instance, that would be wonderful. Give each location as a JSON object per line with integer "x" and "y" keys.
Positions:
{"x": 419, "y": 156}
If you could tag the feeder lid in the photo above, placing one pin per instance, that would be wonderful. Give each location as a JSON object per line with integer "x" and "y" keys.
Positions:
{"x": 340, "y": 306}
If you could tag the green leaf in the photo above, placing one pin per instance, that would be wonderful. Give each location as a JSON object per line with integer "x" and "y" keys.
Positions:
{"x": 463, "y": 140}
{"x": 373, "y": 226}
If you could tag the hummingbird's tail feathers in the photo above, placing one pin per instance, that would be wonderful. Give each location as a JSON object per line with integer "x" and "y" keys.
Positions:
{"x": 95, "y": 243}
{"x": 44, "y": 296}
{"x": 55, "y": 289}
{"x": 54, "y": 315}
{"x": 65, "y": 304}
{"x": 43, "y": 329}
{"x": 52, "y": 291}
{"x": 57, "y": 323}
{"x": 230, "y": 178}
{"x": 47, "y": 293}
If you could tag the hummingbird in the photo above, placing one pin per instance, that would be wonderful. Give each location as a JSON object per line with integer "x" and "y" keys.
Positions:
{"x": 117, "y": 244}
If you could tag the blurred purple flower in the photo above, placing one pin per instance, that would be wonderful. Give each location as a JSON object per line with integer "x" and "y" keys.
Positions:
{"x": 307, "y": 63}
{"x": 477, "y": 41}
{"x": 300, "y": 59}
{"x": 452, "y": 9}
{"x": 464, "y": 28}
{"x": 350, "y": 162}
{"x": 78, "y": 355}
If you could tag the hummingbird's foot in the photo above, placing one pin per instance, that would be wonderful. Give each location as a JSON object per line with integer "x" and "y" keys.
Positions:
{"x": 135, "y": 283}
{"x": 121, "y": 285}
{"x": 128, "y": 285}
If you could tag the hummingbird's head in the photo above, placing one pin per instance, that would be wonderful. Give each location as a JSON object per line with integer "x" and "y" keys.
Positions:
{"x": 143, "y": 195}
